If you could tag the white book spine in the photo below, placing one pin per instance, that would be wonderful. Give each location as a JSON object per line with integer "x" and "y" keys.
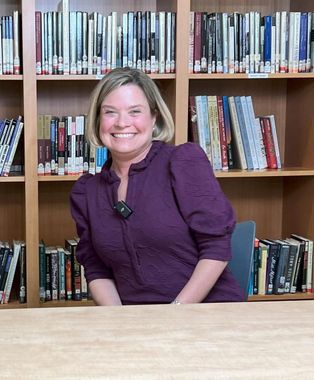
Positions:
{"x": 200, "y": 122}
{"x": 250, "y": 134}
{"x": 257, "y": 42}
{"x": 257, "y": 138}
{"x": 125, "y": 40}
{"x": 291, "y": 41}
{"x": 225, "y": 48}
{"x": 114, "y": 40}
{"x": 73, "y": 36}
{"x": 162, "y": 36}
{"x": 273, "y": 50}
{"x": 168, "y": 42}
{"x": 283, "y": 42}
{"x": 66, "y": 43}
{"x": 16, "y": 42}
{"x": 277, "y": 42}
{"x": 252, "y": 43}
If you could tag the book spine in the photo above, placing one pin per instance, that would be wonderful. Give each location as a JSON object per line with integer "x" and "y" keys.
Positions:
{"x": 22, "y": 267}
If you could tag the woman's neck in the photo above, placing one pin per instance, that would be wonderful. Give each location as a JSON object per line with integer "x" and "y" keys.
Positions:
{"x": 121, "y": 165}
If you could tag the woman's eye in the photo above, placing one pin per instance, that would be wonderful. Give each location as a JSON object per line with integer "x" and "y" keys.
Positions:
{"x": 134, "y": 112}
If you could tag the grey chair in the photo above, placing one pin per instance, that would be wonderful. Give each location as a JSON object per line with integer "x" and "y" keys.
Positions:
{"x": 242, "y": 246}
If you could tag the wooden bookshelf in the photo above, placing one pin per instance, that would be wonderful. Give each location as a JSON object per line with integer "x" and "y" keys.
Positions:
{"x": 280, "y": 201}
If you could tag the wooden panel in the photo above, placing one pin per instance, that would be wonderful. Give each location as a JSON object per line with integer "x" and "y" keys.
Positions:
{"x": 101, "y": 6}
{"x": 269, "y": 97}
{"x": 11, "y": 99}
{"x": 7, "y": 7}
{"x": 55, "y": 222}
{"x": 258, "y": 199}
{"x": 64, "y": 97}
{"x": 265, "y": 7}
{"x": 300, "y": 123}
{"x": 12, "y": 221}
{"x": 298, "y": 206}
{"x": 302, "y": 5}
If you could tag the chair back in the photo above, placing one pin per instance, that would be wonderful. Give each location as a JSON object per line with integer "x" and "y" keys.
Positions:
{"x": 242, "y": 247}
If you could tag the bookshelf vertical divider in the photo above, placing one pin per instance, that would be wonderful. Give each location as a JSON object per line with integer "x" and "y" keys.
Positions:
{"x": 30, "y": 148}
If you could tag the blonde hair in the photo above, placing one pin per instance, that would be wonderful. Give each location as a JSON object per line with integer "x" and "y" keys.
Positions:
{"x": 164, "y": 126}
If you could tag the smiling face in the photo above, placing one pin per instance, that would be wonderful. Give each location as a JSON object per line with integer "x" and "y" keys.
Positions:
{"x": 126, "y": 123}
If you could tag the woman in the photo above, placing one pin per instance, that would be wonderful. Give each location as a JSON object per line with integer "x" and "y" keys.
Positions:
{"x": 154, "y": 225}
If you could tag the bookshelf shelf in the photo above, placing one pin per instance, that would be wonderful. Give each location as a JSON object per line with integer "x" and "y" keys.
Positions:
{"x": 252, "y": 76}
{"x": 12, "y": 179}
{"x": 280, "y": 201}
{"x": 11, "y": 77}
{"x": 56, "y": 178}
{"x": 92, "y": 77}
{"x": 67, "y": 303}
{"x": 289, "y": 172}
{"x": 283, "y": 297}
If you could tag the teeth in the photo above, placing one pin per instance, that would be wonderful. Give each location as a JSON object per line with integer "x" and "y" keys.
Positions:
{"x": 123, "y": 135}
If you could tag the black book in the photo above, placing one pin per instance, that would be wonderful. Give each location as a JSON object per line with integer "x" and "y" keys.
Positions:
{"x": 272, "y": 263}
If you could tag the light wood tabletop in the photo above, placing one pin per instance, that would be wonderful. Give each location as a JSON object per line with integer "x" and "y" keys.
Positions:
{"x": 266, "y": 340}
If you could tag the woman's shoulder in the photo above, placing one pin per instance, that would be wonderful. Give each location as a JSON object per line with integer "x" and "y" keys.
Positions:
{"x": 85, "y": 181}
{"x": 188, "y": 151}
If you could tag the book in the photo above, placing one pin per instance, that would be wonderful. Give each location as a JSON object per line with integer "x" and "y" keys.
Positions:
{"x": 22, "y": 274}
{"x": 11, "y": 273}
{"x": 272, "y": 263}
{"x": 70, "y": 245}
{"x": 280, "y": 276}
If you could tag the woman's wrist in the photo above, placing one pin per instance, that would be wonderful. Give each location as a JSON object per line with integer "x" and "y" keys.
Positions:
{"x": 176, "y": 302}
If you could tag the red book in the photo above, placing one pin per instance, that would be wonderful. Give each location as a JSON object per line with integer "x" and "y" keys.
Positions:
{"x": 268, "y": 142}
{"x": 38, "y": 42}
{"x": 197, "y": 41}
{"x": 222, "y": 134}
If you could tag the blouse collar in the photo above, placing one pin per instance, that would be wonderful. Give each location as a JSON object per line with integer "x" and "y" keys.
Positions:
{"x": 110, "y": 175}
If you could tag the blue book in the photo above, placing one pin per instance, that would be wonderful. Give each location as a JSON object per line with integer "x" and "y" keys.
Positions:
{"x": 244, "y": 134}
{"x": 267, "y": 43}
{"x": 303, "y": 42}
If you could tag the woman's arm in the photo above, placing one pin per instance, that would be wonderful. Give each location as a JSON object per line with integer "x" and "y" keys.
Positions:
{"x": 104, "y": 292}
{"x": 204, "y": 277}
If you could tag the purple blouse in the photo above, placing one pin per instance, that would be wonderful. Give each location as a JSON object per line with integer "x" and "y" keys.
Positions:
{"x": 180, "y": 215}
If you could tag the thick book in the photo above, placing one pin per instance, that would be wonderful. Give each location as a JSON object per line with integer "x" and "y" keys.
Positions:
{"x": 70, "y": 245}
{"x": 280, "y": 276}
{"x": 272, "y": 263}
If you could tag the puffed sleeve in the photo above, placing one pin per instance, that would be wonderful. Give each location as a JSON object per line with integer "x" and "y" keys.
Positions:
{"x": 85, "y": 253}
{"x": 202, "y": 203}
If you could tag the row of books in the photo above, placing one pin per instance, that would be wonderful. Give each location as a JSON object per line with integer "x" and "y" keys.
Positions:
{"x": 231, "y": 134}
{"x": 61, "y": 277}
{"x": 76, "y": 42}
{"x": 282, "y": 266}
{"x": 10, "y": 62}
{"x": 12, "y": 263}
{"x": 63, "y": 149}
{"x": 251, "y": 43}
{"x": 10, "y": 133}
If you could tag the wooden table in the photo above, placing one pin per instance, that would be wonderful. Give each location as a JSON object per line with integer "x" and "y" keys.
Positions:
{"x": 271, "y": 340}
